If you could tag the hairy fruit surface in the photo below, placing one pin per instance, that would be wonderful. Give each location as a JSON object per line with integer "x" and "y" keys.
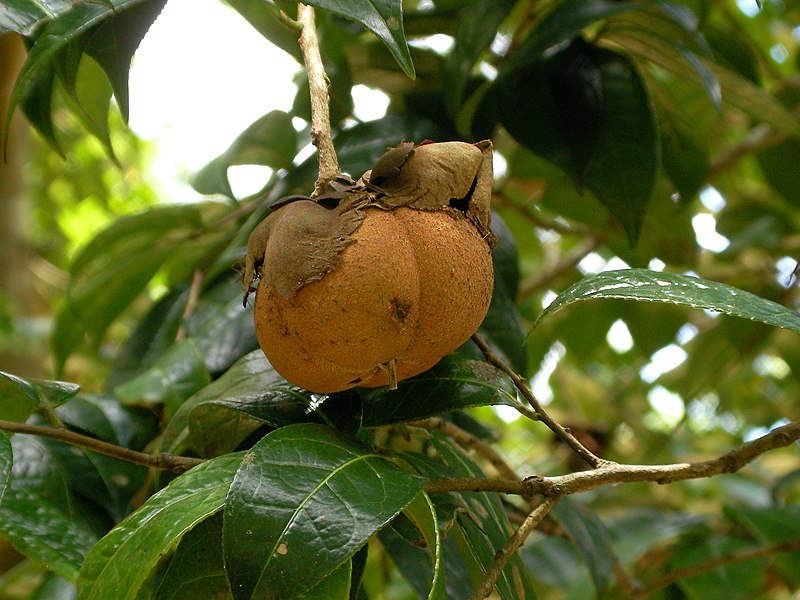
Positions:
{"x": 375, "y": 281}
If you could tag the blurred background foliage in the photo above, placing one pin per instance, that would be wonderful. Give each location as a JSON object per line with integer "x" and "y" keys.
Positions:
{"x": 662, "y": 135}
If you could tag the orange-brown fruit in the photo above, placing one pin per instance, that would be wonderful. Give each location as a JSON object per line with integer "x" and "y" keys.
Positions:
{"x": 365, "y": 286}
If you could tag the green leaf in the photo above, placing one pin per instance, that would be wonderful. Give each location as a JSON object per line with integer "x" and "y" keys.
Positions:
{"x": 18, "y": 396}
{"x": 6, "y": 463}
{"x": 22, "y": 16}
{"x": 335, "y": 586}
{"x": 591, "y": 539}
{"x": 456, "y": 382}
{"x": 219, "y": 416}
{"x": 778, "y": 164}
{"x": 484, "y": 524}
{"x": 422, "y": 513}
{"x": 384, "y": 18}
{"x": 39, "y": 514}
{"x": 291, "y": 483}
{"x": 117, "y": 566}
{"x": 197, "y": 569}
{"x": 683, "y": 290}
{"x": 591, "y": 116}
{"x": 269, "y": 141}
{"x": 477, "y": 28}
{"x": 179, "y": 373}
{"x": 114, "y": 268}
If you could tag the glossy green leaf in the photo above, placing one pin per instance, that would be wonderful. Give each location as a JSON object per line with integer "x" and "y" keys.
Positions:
{"x": 18, "y": 397}
{"x": 270, "y": 141}
{"x": 456, "y": 382}
{"x": 156, "y": 527}
{"x": 384, "y": 18}
{"x": 197, "y": 568}
{"x": 294, "y": 479}
{"x": 56, "y": 35}
{"x": 248, "y": 394}
{"x": 113, "y": 43}
{"x": 39, "y": 514}
{"x": 335, "y": 586}
{"x": 22, "y": 16}
{"x": 591, "y": 539}
{"x": 683, "y": 290}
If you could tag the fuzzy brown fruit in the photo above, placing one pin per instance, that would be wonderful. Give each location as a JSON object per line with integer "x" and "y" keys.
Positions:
{"x": 369, "y": 285}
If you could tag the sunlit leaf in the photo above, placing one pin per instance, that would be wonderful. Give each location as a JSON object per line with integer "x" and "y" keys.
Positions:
{"x": 673, "y": 288}
{"x": 156, "y": 527}
{"x": 291, "y": 481}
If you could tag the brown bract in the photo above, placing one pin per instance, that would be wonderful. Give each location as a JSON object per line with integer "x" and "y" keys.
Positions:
{"x": 375, "y": 282}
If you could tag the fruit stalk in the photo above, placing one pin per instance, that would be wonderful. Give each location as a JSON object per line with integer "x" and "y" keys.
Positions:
{"x": 321, "y": 135}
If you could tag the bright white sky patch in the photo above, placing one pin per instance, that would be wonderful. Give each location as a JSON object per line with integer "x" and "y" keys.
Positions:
{"x": 667, "y": 405}
{"x": 662, "y": 361}
{"x": 369, "y": 103}
{"x": 712, "y": 199}
{"x": 202, "y": 75}
{"x": 706, "y": 233}
{"x": 619, "y": 337}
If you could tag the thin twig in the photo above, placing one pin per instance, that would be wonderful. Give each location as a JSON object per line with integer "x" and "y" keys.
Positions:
{"x": 760, "y": 138}
{"x": 567, "y": 263}
{"x": 163, "y": 461}
{"x": 538, "y": 220}
{"x": 191, "y": 303}
{"x": 543, "y": 415}
{"x": 613, "y": 473}
{"x": 738, "y": 556}
{"x": 511, "y": 546}
{"x": 321, "y": 135}
{"x": 471, "y": 442}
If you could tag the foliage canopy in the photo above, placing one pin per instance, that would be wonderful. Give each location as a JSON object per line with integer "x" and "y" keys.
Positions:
{"x": 625, "y": 131}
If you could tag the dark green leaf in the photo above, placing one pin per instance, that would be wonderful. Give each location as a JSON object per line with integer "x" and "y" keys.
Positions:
{"x": 383, "y": 17}
{"x": 291, "y": 481}
{"x": 269, "y": 141}
{"x": 455, "y": 382}
{"x": 590, "y": 115}
{"x": 476, "y": 30}
{"x": 641, "y": 284}
{"x": 22, "y": 16}
{"x": 118, "y": 564}
{"x": 591, "y": 539}
{"x": 778, "y": 164}
{"x": 251, "y": 390}
{"x": 18, "y": 396}
{"x": 197, "y": 569}
{"x": 40, "y": 516}
{"x": 113, "y": 43}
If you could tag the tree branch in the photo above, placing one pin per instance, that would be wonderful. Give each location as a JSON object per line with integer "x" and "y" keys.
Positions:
{"x": 163, "y": 461}
{"x": 568, "y": 262}
{"x": 612, "y": 473}
{"x": 543, "y": 415}
{"x": 318, "y": 82}
{"x": 513, "y": 544}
